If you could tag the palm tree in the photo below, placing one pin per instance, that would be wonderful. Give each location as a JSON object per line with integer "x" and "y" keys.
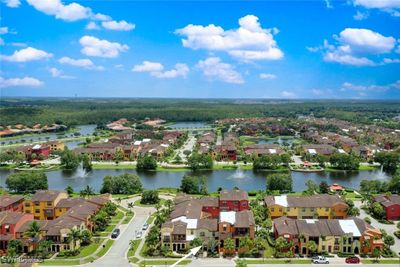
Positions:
{"x": 311, "y": 246}
{"x": 44, "y": 247}
{"x": 130, "y": 206}
{"x": 87, "y": 191}
{"x": 168, "y": 204}
{"x": 73, "y": 236}
{"x": 33, "y": 233}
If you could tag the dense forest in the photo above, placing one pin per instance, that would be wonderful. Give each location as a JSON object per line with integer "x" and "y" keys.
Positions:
{"x": 73, "y": 111}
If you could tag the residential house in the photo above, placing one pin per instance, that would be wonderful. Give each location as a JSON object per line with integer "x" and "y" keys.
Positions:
{"x": 318, "y": 149}
{"x": 321, "y": 206}
{"x": 10, "y": 223}
{"x": 258, "y": 150}
{"x": 43, "y": 204}
{"x": 235, "y": 225}
{"x": 330, "y": 235}
{"x": 56, "y": 146}
{"x": 391, "y": 204}
{"x": 233, "y": 200}
{"x": 11, "y": 203}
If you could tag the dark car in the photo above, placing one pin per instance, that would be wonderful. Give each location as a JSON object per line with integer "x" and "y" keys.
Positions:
{"x": 353, "y": 259}
{"x": 115, "y": 233}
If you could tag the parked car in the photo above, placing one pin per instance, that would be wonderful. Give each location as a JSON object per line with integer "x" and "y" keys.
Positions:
{"x": 353, "y": 259}
{"x": 139, "y": 235}
{"x": 320, "y": 260}
{"x": 115, "y": 233}
{"x": 145, "y": 226}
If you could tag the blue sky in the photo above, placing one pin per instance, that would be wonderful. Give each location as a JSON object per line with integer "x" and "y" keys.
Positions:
{"x": 204, "y": 49}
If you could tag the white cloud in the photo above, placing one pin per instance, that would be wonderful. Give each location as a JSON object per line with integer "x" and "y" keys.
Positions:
{"x": 328, "y": 4}
{"x": 1, "y": 41}
{"x": 59, "y": 74}
{"x": 17, "y": 44}
{"x": 83, "y": 63}
{"x": 367, "y": 88}
{"x": 389, "y": 6}
{"x": 361, "y": 15}
{"x": 156, "y": 69}
{"x": 118, "y": 26}
{"x": 355, "y": 46}
{"x": 69, "y": 12}
{"x": 95, "y": 47}
{"x": 27, "y": 54}
{"x": 288, "y": 94}
{"x": 23, "y": 82}
{"x": 92, "y": 26}
{"x": 148, "y": 66}
{"x": 12, "y": 3}
{"x": 214, "y": 69}
{"x": 267, "y": 76}
{"x": 101, "y": 17}
{"x": 248, "y": 42}
{"x": 180, "y": 70}
{"x": 3, "y": 30}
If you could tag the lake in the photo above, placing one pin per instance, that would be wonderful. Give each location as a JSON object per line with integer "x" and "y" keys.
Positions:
{"x": 245, "y": 179}
{"x": 189, "y": 125}
{"x": 84, "y": 130}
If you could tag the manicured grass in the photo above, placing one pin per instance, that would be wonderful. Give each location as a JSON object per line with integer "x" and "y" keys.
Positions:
{"x": 84, "y": 251}
{"x": 163, "y": 262}
{"x": 391, "y": 261}
{"x": 367, "y": 168}
{"x": 104, "y": 250}
{"x": 133, "y": 248}
{"x": 269, "y": 261}
{"x": 113, "y": 166}
{"x": 110, "y": 228}
{"x": 137, "y": 203}
{"x": 60, "y": 262}
{"x": 90, "y": 259}
{"x": 171, "y": 169}
{"x": 128, "y": 218}
{"x": 133, "y": 259}
{"x": 143, "y": 250}
{"x": 151, "y": 219}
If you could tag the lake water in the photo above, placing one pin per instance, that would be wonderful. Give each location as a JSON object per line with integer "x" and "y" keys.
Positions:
{"x": 189, "y": 125}
{"x": 245, "y": 179}
{"x": 277, "y": 140}
{"x": 84, "y": 130}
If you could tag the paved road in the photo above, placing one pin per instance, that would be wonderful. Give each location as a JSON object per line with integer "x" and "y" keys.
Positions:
{"x": 188, "y": 145}
{"x": 389, "y": 228}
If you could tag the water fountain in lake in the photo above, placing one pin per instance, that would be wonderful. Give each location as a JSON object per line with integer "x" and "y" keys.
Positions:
{"x": 381, "y": 175}
{"x": 81, "y": 172}
{"x": 238, "y": 174}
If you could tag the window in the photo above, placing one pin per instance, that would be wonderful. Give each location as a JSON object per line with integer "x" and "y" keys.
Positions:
{"x": 288, "y": 209}
{"x": 272, "y": 209}
{"x": 37, "y": 203}
{"x": 323, "y": 248}
{"x": 202, "y": 234}
{"x": 37, "y": 211}
{"x": 303, "y": 209}
{"x": 326, "y": 209}
{"x": 312, "y": 210}
{"x": 49, "y": 203}
{"x": 280, "y": 210}
{"x": 27, "y": 204}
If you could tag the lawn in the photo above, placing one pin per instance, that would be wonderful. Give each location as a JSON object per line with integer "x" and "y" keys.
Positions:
{"x": 60, "y": 262}
{"x": 163, "y": 262}
{"x": 104, "y": 250}
{"x": 128, "y": 218}
{"x": 84, "y": 251}
{"x": 110, "y": 228}
{"x": 391, "y": 261}
{"x": 113, "y": 166}
{"x": 269, "y": 261}
{"x": 151, "y": 219}
{"x": 133, "y": 248}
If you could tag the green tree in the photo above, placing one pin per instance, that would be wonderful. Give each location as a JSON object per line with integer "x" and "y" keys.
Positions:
{"x": 44, "y": 247}
{"x": 323, "y": 187}
{"x": 33, "y": 232}
{"x": 69, "y": 160}
{"x": 86, "y": 237}
{"x": 87, "y": 162}
{"x": 245, "y": 243}
{"x": 344, "y": 161}
{"x": 377, "y": 210}
{"x": 196, "y": 242}
{"x": 200, "y": 161}
{"x": 312, "y": 187}
{"x": 229, "y": 246}
{"x": 73, "y": 236}
{"x": 150, "y": 197}
{"x": 26, "y": 182}
{"x": 119, "y": 155}
{"x": 280, "y": 244}
{"x": 146, "y": 162}
{"x": 279, "y": 181}
{"x": 87, "y": 191}
{"x": 241, "y": 263}
{"x": 388, "y": 160}
{"x": 122, "y": 184}
{"x": 312, "y": 246}
{"x": 16, "y": 245}
{"x": 194, "y": 185}
{"x": 69, "y": 190}
{"x": 267, "y": 162}
{"x": 389, "y": 241}
{"x": 376, "y": 253}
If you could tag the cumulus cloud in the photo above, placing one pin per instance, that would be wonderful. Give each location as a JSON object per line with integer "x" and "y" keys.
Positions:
{"x": 288, "y": 94}
{"x": 214, "y": 69}
{"x": 68, "y": 12}
{"x": 156, "y": 69}
{"x": 118, "y": 25}
{"x": 27, "y": 54}
{"x": 56, "y": 73}
{"x": 356, "y": 47}
{"x": 1, "y": 41}
{"x": 96, "y": 47}
{"x": 249, "y": 42}
{"x": 92, "y": 26}
{"x": 360, "y": 15}
{"x": 3, "y": 30}
{"x": 389, "y": 6}
{"x": 12, "y": 3}
{"x": 267, "y": 76}
{"x": 346, "y": 86}
{"x": 20, "y": 82}
{"x": 82, "y": 63}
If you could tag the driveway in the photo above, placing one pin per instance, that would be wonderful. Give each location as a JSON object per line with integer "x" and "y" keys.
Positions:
{"x": 389, "y": 228}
